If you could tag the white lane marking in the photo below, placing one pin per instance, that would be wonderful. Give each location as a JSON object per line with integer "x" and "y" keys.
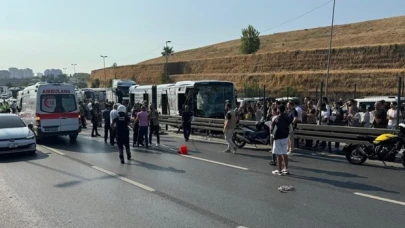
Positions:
{"x": 53, "y": 150}
{"x": 380, "y": 198}
{"x": 124, "y": 179}
{"x": 241, "y": 227}
{"x": 215, "y": 162}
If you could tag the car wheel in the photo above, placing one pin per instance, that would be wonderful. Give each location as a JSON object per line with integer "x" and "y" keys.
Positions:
{"x": 31, "y": 153}
{"x": 73, "y": 137}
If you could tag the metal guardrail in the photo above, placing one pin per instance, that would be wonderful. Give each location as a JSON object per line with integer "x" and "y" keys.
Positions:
{"x": 327, "y": 133}
{"x": 200, "y": 123}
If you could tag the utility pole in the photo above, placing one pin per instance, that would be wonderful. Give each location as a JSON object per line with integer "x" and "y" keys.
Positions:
{"x": 105, "y": 77}
{"x": 167, "y": 59}
{"x": 74, "y": 68}
{"x": 330, "y": 50}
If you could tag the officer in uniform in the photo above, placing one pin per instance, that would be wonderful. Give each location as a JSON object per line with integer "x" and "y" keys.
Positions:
{"x": 122, "y": 132}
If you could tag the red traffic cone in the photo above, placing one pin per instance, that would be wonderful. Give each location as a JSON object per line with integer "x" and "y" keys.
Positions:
{"x": 183, "y": 150}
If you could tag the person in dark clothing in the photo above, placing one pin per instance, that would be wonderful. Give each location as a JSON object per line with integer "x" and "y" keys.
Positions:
{"x": 337, "y": 114}
{"x": 154, "y": 125}
{"x": 135, "y": 110}
{"x": 122, "y": 132}
{"x": 107, "y": 122}
{"x": 380, "y": 116}
{"x": 94, "y": 121}
{"x": 281, "y": 130}
{"x": 186, "y": 117}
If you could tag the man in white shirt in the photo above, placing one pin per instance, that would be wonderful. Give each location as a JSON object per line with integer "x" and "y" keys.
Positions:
{"x": 365, "y": 117}
{"x": 113, "y": 114}
{"x": 299, "y": 111}
{"x": 392, "y": 116}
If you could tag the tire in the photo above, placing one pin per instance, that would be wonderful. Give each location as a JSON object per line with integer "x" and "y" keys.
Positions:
{"x": 31, "y": 153}
{"x": 403, "y": 160}
{"x": 354, "y": 153}
{"x": 73, "y": 137}
{"x": 240, "y": 144}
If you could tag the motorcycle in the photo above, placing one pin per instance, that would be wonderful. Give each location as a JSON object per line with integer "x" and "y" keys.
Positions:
{"x": 260, "y": 135}
{"x": 384, "y": 148}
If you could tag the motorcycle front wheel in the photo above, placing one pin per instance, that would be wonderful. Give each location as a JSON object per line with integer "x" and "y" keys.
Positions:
{"x": 354, "y": 156}
{"x": 239, "y": 143}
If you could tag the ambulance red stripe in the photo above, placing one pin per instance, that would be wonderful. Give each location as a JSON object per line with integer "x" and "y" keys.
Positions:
{"x": 50, "y": 116}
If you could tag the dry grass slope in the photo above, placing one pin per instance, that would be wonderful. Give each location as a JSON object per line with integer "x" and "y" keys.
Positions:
{"x": 363, "y": 52}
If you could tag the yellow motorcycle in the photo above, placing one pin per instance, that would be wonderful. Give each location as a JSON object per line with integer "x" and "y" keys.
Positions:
{"x": 385, "y": 147}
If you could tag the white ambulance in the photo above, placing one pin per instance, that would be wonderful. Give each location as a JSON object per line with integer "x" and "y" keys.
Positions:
{"x": 52, "y": 109}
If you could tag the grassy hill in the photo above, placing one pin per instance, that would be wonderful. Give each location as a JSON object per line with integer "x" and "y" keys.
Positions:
{"x": 362, "y": 53}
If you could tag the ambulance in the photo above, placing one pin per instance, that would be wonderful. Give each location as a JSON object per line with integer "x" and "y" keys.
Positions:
{"x": 52, "y": 109}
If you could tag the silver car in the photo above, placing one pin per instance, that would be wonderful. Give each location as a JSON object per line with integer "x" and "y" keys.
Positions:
{"x": 15, "y": 136}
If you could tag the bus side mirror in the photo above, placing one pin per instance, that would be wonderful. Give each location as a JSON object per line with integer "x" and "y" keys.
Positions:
{"x": 31, "y": 126}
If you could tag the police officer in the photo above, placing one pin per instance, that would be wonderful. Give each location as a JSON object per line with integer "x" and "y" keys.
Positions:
{"x": 122, "y": 132}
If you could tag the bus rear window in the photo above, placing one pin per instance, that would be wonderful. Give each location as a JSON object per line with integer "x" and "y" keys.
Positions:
{"x": 58, "y": 103}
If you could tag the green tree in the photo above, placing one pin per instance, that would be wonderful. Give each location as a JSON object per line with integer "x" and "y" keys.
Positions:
{"x": 95, "y": 83}
{"x": 250, "y": 41}
{"x": 9, "y": 85}
{"x": 167, "y": 51}
{"x": 114, "y": 65}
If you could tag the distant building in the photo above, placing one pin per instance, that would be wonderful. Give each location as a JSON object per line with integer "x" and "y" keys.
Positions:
{"x": 14, "y": 72}
{"x": 4, "y": 74}
{"x": 40, "y": 74}
{"x": 21, "y": 73}
{"x": 54, "y": 72}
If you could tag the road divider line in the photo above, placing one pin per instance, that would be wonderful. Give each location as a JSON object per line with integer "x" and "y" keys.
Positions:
{"x": 53, "y": 150}
{"x": 215, "y": 162}
{"x": 129, "y": 181}
{"x": 380, "y": 198}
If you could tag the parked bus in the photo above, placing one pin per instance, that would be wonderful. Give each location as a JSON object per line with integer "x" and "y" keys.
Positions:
{"x": 205, "y": 98}
{"x": 52, "y": 109}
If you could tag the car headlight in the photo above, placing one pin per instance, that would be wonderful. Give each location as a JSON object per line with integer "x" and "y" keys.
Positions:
{"x": 30, "y": 137}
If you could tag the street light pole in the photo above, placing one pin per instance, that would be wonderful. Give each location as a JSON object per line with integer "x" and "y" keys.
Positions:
{"x": 330, "y": 49}
{"x": 167, "y": 59}
{"x": 105, "y": 77}
{"x": 74, "y": 68}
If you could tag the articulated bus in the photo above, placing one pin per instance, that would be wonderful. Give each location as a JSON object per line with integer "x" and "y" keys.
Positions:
{"x": 206, "y": 98}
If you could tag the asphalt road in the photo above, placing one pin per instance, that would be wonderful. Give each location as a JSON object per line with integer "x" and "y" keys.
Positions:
{"x": 83, "y": 184}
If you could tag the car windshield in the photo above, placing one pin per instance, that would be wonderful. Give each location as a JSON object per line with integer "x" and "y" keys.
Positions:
{"x": 10, "y": 122}
{"x": 58, "y": 103}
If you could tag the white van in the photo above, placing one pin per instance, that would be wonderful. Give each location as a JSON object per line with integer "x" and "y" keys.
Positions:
{"x": 52, "y": 109}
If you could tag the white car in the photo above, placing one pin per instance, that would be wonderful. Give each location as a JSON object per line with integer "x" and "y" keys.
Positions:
{"x": 15, "y": 136}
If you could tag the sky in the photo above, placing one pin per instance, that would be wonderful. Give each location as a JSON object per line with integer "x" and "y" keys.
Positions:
{"x": 45, "y": 34}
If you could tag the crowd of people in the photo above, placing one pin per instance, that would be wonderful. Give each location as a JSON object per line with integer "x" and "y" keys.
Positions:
{"x": 143, "y": 121}
{"x": 285, "y": 116}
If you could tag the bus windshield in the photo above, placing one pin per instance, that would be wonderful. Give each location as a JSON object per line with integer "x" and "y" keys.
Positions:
{"x": 89, "y": 95}
{"x": 211, "y": 99}
{"x": 124, "y": 90}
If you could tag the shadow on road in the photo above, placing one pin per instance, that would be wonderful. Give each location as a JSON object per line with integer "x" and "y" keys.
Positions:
{"x": 154, "y": 167}
{"x": 22, "y": 157}
{"x": 70, "y": 183}
{"x": 347, "y": 185}
{"x": 331, "y": 173}
{"x": 82, "y": 145}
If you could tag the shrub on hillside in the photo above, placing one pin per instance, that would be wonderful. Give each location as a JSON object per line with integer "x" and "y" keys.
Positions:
{"x": 250, "y": 41}
{"x": 95, "y": 83}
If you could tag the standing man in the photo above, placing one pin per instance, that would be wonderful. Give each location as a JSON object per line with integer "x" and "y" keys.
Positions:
{"x": 82, "y": 114}
{"x": 113, "y": 115}
{"x": 186, "y": 116}
{"x": 380, "y": 116}
{"x": 121, "y": 124}
{"x": 281, "y": 129}
{"x": 229, "y": 128}
{"x": 94, "y": 121}
{"x": 107, "y": 122}
{"x": 14, "y": 107}
{"x": 143, "y": 119}
{"x": 293, "y": 114}
{"x": 154, "y": 125}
